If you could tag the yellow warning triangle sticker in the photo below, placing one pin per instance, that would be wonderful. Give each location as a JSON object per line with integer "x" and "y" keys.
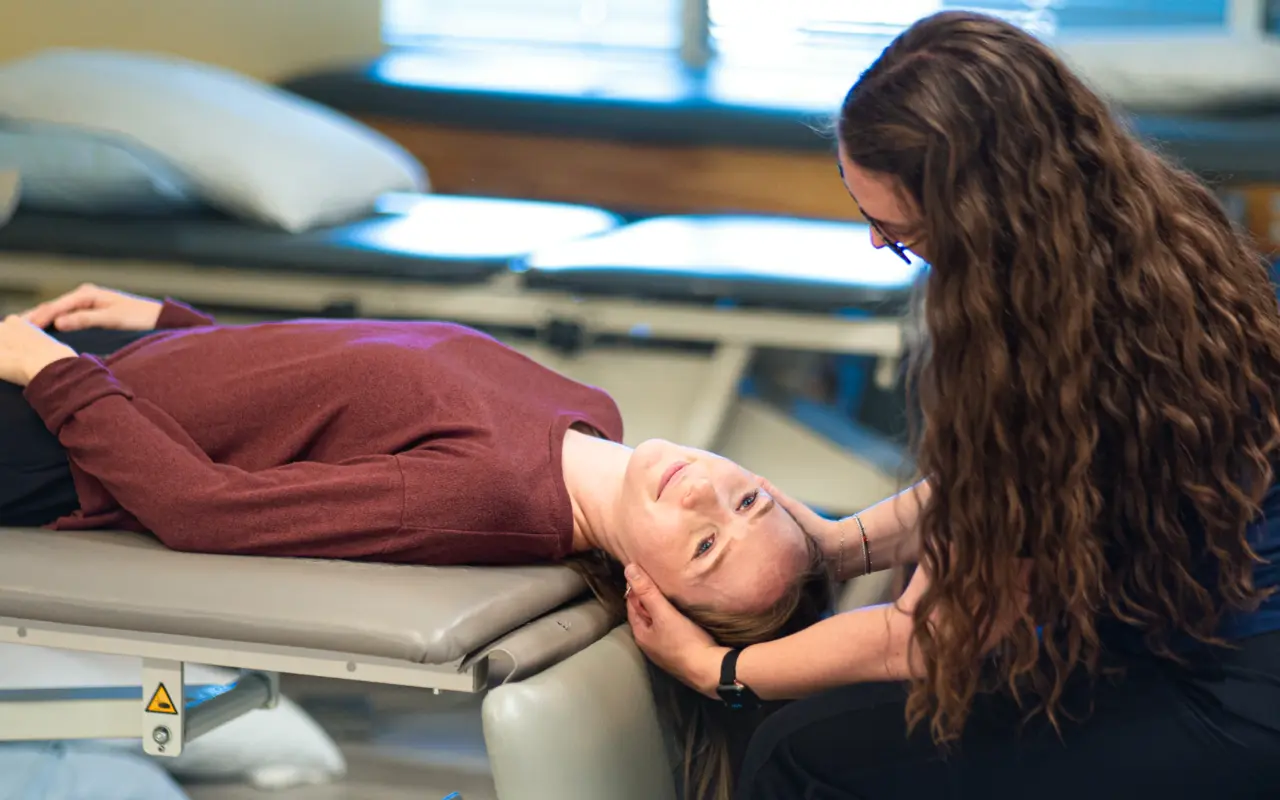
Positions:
{"x": 161, "y": 703}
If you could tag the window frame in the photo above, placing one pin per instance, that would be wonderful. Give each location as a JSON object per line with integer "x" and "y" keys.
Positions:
{"x": 696, "y": 51}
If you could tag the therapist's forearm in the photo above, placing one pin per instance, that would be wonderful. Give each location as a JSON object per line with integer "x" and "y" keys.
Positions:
{"x": 866, "y": 645}
{"x": 892, "y": 540}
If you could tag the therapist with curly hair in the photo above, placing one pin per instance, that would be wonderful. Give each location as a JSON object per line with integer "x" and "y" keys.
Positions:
{"x": 1092, "y": 611}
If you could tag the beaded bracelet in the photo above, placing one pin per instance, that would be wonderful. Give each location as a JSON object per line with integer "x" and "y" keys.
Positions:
{"x": 866, "y": 546}
{"x": 840, "y": 557}
{"x": 866, "y": 550}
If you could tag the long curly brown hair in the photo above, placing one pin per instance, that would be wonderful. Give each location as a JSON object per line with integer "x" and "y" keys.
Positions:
{"x": 1100, "y": 377}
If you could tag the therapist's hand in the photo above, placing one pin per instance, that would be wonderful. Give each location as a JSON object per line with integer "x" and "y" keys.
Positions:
{"x": 825, "y": 531}
{"x": 94, "y": 307}
{"x": 25, "y": 350}
{"x": 670, "y": 639}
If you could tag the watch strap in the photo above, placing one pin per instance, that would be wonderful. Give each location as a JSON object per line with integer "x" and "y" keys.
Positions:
{"x": 729, "y": 668}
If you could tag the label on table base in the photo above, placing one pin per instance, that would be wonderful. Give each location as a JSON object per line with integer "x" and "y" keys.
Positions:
{"x": 163, "y": 712}
{"x": 161, "y": 703}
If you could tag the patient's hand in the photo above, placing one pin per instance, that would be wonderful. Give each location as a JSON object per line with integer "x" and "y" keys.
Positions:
{"x": 25, "y": 351}
{"x": 94, "y": 307}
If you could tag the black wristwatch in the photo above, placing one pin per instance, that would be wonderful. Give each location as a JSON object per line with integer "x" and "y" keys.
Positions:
{"x": 735, "y": 694}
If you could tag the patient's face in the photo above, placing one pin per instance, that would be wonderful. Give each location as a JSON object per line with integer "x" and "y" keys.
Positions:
{"x": 706, "y": 531}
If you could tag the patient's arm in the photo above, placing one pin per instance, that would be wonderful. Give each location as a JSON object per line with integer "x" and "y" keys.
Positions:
{"x": 153, "y": 469}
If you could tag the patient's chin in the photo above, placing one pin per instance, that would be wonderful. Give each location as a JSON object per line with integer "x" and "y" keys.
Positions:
{"x": 649, "y": 452}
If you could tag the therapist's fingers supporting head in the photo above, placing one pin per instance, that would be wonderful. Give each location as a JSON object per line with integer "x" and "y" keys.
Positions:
{"x": 813, "y": 523}
{"x": 665, "y": 635}
{"x": 706, "y": 531}
{"x": 804, "y": 599}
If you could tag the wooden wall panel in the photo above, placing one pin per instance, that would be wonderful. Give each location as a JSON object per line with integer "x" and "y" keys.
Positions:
{"x": 629, "y": 177}
{"x": 668, "y": 179}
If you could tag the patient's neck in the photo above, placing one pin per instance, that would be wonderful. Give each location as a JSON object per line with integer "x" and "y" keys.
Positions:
{"x": 593, "y": 472}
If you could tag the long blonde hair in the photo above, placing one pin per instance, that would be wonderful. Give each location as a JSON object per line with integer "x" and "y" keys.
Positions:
{"x": 701, "y": 724}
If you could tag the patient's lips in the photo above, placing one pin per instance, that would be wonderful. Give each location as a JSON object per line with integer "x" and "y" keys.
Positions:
{"x": 670, "y": 473}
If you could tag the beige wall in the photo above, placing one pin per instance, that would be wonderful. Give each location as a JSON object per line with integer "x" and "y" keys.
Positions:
{"x": 264, "y": 38}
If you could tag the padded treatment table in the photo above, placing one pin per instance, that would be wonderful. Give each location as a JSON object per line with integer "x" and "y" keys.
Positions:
{"x": 456, "y": 629}
{"x": 411, "y": 237}
{"x": 553, "y": 95}
{"x": 764, "y": 262}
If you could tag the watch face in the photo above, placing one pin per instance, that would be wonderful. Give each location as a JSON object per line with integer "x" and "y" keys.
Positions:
{"x": 738, "y": 698}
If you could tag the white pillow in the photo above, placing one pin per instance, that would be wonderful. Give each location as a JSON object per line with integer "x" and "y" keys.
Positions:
{"x": 1175, "y": 72}
{"x": 67, "y": 169}
{"x": 80, "y": 771}
{"x": 270, "y": 748}
{"x": 253, "y": 150}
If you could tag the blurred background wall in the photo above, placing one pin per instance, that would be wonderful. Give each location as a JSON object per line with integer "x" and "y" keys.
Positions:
{"x": 264, "y": 38}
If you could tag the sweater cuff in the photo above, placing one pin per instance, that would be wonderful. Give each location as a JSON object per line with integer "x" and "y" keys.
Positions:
{"x": 180, "y": 315}
{"x": 66, "y": 386}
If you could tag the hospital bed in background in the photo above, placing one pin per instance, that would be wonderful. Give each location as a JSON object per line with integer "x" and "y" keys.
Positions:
{"x": 665, "y": 314}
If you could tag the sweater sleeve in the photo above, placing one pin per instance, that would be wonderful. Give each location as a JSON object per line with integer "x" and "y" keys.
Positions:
{"x": 179, "y": 315}
{"x": 157, "y": 473}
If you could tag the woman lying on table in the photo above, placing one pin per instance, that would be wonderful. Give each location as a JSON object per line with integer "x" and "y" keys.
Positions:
{"x": 1093, "y": 616}
{"x": 406, "y": 442}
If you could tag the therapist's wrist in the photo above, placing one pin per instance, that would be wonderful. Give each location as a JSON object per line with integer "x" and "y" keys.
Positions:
{"x": 704, "y": 670}
{"x": 843, "y": 548}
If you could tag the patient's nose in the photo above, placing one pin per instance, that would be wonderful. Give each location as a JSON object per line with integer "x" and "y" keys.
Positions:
{"x": 700, "y": 495}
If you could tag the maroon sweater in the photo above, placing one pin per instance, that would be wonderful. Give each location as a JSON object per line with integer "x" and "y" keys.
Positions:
{"x": 417, "y": 442}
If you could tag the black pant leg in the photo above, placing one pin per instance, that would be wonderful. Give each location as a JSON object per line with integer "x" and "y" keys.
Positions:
{"x": 845, "y": 744}
{"x": 35, "y": 478}
{"x": 1161, "y": 732}
{"x": 99, "y": 342}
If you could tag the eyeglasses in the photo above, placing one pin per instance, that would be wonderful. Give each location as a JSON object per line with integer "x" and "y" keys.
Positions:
{"x": 895, "y": 247}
